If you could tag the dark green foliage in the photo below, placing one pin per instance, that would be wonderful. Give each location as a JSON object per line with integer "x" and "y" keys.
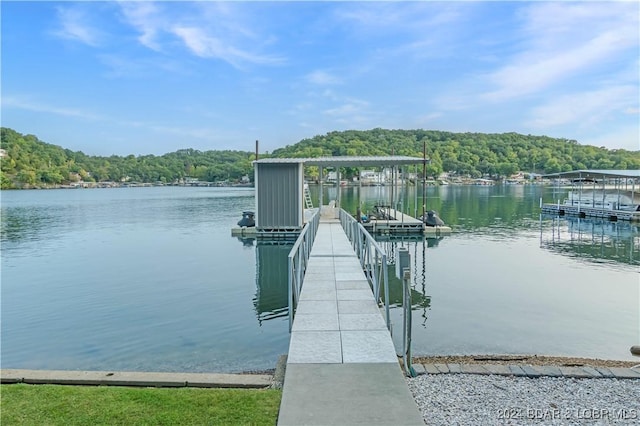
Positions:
{"x": 33, "y": 163}
{"x": 473, "y": 154}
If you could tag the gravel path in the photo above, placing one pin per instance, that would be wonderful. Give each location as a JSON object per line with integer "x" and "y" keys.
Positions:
{"x": 466, "y": 399}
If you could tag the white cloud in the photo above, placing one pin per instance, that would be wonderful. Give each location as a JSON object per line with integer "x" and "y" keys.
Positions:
{"x": 585, "y": 108}
{"x": 349, "y": 108}
{"x": 323, "y": 78}
{"x": 29, "y": 105}
{"x": 207, "y": 29}
{"x": 352, "y": 112}
{"x": 404, "y": 30}
{"x": 145, "y": 18}
{"x": 75, "y": 25}
{"x": 207, "y": 46}
{"x": 399, "y": 16}
{"x": 139, "y": 67}
{"x": 624, "y": 137}
{"x": 564, "y": 41}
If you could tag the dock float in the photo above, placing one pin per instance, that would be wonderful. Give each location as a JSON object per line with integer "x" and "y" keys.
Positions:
{"x": 400, "y": 223}
{"x": 342, "y": 368}
{"x": 594, "y": 212}
{"x": 244, "y": 232}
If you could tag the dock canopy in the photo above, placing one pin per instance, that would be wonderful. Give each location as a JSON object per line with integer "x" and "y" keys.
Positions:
{"x": 279, "y": 184}
{"x": 596, "y": 174}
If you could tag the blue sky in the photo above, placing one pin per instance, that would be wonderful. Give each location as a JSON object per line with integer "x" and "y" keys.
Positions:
{"x": 153, "y": 77}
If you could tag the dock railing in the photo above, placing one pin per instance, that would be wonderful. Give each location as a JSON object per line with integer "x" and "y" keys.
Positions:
{"x": 372, "y": 259}
{"x": 298, "y": 259}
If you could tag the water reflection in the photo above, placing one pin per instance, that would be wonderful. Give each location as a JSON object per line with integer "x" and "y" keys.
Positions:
{"x": 480, "y": 209}
{"x": 593, "y": 240}
{"x": 272, "y": 297}
{"x": 271, "y": 300}
{"x": 417, "y": 246}
{"x": 246, "y": 241}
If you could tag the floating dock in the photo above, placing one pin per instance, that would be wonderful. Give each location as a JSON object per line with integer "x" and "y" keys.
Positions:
{"x": 244, "y": 232}
{"x": 598, "y": 194}
{"x": 583, "y": 211}
{"x": 400, "y": 223}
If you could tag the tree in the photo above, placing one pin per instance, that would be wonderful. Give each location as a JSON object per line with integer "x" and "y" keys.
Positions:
{"x": 31, "y": 162}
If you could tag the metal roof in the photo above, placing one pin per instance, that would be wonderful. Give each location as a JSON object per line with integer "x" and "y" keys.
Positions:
{"x": 584, "y": 174}
{"x": 346, "y": 161}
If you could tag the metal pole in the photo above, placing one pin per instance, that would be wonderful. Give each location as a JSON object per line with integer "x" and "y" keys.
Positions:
{"x": 338, "y": 178}
{"x": 321, "y": 189}
{"x": 406, "y": 335}
{"x": 424, "y": 178}
{"x": 579, "y": 192}
{"x": 393, "y": 183}
{"x": 604, "y": 189}
{"x": 290, "y": 282}
{"x": 415, "y": 194}
{"x": 386, "y": 289}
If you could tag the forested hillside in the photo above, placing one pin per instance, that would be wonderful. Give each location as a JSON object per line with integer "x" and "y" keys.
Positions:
{"x": 29, "y": 162}
{"x": 472, "y": 154}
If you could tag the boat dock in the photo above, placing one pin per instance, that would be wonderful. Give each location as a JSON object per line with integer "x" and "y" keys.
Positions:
{"x": 397, "y": 224}
{"x": 603, "y": 194}
{"x": 584, "y": 211}
{"x": 342, "y": 366}
{"x": 400, "y": 223}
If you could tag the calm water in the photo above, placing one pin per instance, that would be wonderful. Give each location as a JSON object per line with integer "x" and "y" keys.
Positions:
{"x": 133, "y": 279}
{"x": 508, "y": 281}
{"x": 150, "y": 279}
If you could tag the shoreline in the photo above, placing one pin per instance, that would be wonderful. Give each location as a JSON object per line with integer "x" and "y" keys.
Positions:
{"x": 565, "y": 361}
{"x": 271, "y": 377}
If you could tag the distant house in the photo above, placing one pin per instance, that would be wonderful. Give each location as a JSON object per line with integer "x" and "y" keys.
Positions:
{"x": 483, "y": 182}
{"x": 369, "y": 177}
{"x": 3, "y": 153}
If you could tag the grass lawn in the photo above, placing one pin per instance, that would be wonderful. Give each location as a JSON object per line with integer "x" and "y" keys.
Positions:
{"x": 22, "y": 404}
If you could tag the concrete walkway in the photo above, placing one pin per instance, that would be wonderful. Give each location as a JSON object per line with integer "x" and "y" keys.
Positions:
{"x": 342, "y": 368}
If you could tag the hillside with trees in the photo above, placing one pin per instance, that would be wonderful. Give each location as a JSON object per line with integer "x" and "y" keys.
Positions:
{"x": 28, "y": 162}
{"x": 468, "y": 154}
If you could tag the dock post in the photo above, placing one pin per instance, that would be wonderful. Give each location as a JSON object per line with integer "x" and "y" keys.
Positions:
{"x": 406, "y": 332}
{"x": 403, "y": 272}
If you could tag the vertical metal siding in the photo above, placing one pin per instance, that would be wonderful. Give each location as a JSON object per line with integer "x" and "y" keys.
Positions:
{"x": 279, "y": 195}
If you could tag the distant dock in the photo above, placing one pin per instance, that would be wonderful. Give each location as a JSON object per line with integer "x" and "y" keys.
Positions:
{"x": 583, "y": 211}
{"x": 604, "y": 194}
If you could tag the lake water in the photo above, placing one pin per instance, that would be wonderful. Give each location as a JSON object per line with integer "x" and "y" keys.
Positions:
{"x": 151, "y": 279}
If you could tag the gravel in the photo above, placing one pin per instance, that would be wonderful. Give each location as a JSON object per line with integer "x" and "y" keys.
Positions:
{"x": 467, "y": 399}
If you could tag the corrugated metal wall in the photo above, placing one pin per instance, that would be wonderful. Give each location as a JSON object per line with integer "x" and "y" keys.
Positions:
{"x": 279, "y": 192}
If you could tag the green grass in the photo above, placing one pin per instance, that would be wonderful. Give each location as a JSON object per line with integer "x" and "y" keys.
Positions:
{"x": 22, "y": 404}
